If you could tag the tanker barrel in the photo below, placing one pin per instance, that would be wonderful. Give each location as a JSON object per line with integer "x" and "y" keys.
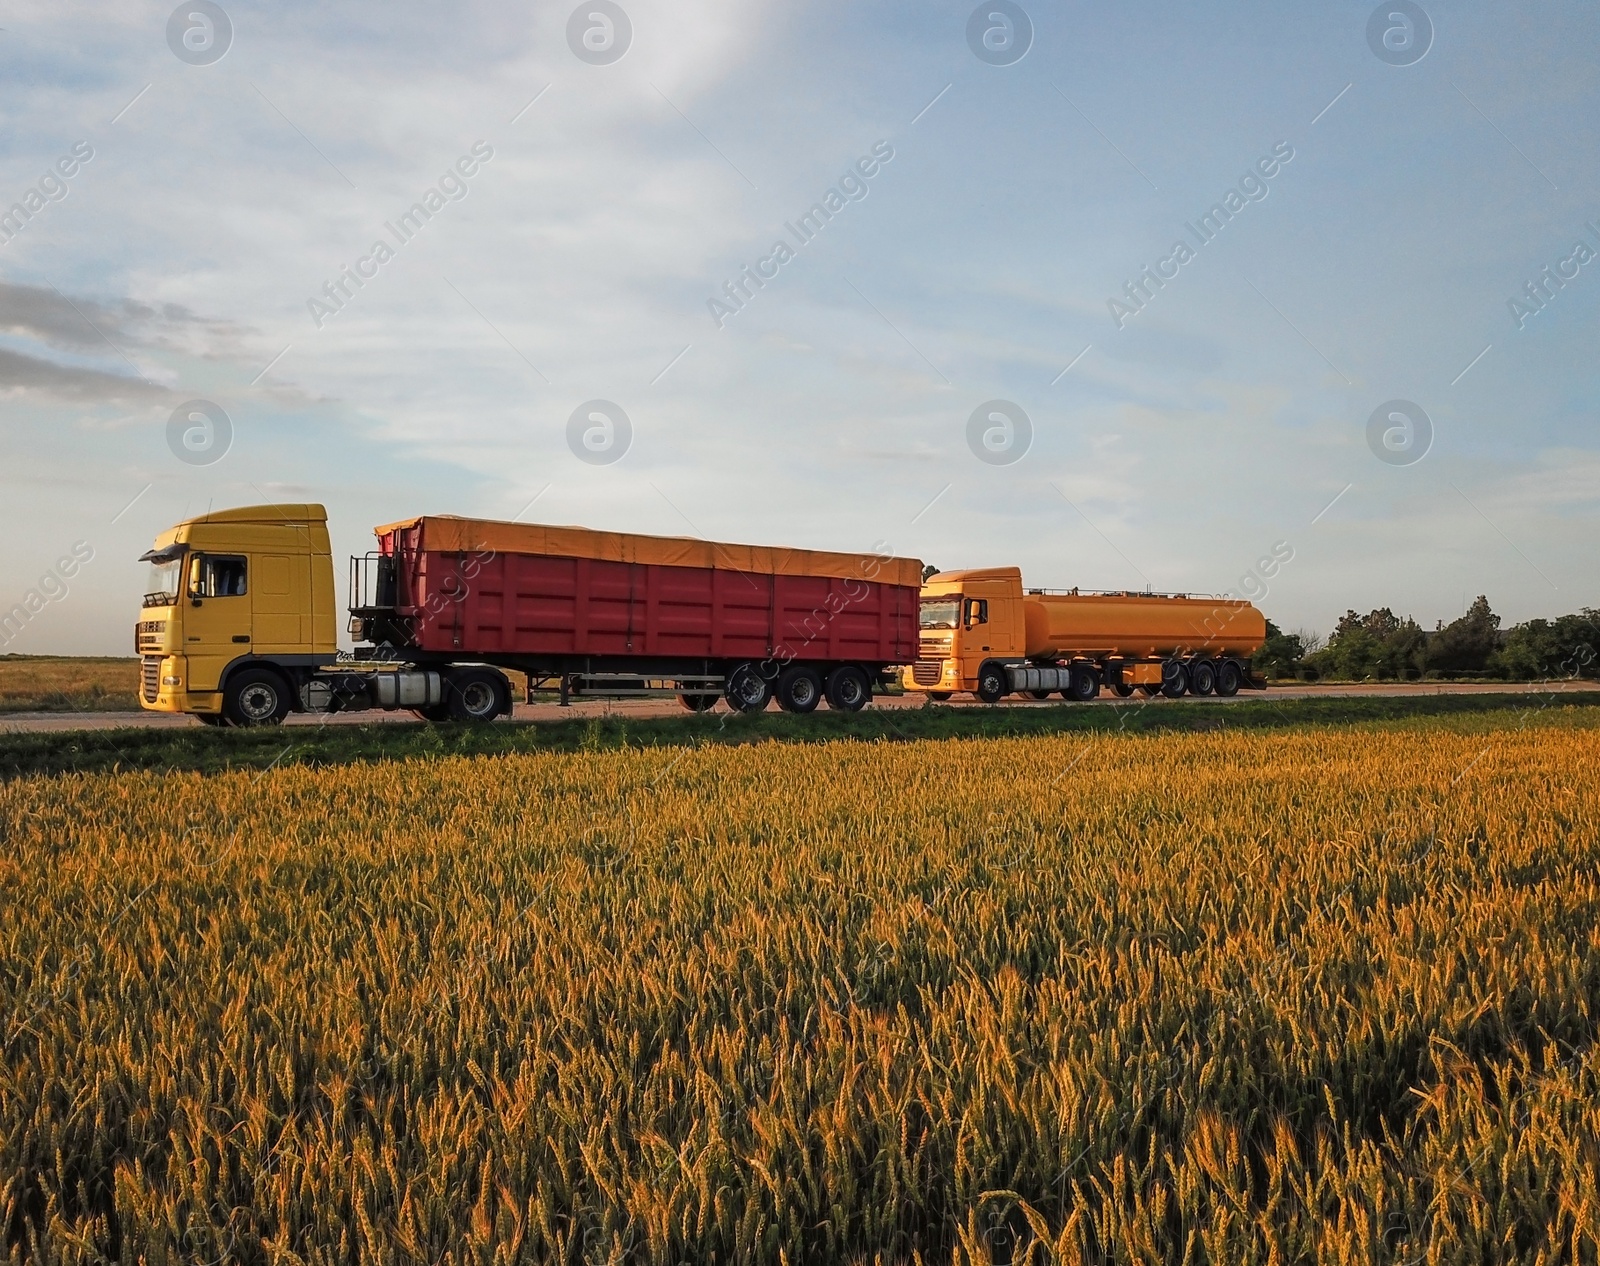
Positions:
{"x": 1139, "y": 626}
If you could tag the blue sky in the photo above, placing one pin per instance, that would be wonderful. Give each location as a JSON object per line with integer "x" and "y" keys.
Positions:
{"x": 1229, "y": 415}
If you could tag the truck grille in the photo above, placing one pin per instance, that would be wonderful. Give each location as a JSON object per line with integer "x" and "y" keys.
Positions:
{"x": 151, "y": 677}
{"x": 926, "y": 672}
{"x": 933, "y": 648}
{"x": 150, "y": 634}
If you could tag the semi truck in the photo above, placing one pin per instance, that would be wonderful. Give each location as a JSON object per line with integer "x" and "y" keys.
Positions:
{"x": 239, "y": 622}
{"x": 980, "y": 632}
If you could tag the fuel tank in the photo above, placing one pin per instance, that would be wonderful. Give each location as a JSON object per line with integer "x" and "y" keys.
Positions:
{"x": 1139, "y": 626}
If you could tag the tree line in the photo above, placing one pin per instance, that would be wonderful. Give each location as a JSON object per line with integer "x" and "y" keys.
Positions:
{"x": 1382, "y": 645}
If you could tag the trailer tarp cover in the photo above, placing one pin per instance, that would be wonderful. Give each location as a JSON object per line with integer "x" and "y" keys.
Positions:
{"x": 447, "y": 533}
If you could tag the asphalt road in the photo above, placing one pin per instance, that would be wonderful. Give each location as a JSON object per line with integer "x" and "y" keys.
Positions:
{"x": 24, "y": 722}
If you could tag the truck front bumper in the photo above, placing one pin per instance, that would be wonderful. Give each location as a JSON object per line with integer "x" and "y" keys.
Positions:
{"x": 163, "y": 687}
{"x": 931, "y": 675}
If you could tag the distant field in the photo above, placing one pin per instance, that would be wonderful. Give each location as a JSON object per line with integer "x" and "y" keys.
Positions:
{"x": 1270, "y": 993}
{"x": 50, "y": 683}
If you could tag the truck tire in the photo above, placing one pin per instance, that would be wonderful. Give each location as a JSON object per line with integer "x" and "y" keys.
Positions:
{"x": 1040, "y": 695}
{"x": 699, "y": 701}
{"x": 1174, "y": 679}
{"x": 799, "y": 689}
{"x": 939, "y": 696}
{"x": 848, "y": 689}
{"x": 255, "y": 696}
{"x": 1202, "y": 677}
{"x": 747, "y": 690}
{"x": 992, "y": 684}
{"x": 1229, "y": 679}
{"x": 476, "y": 695}
{"x": 1083, "y": 684}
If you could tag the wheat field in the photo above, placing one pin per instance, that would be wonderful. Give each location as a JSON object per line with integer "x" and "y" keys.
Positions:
{"x": 1320, "y": 995}
{"x": 49, "y": 683}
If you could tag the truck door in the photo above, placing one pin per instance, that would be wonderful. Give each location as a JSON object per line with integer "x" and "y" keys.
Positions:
{"x": 972, "y": 634}
{"x": 990, "y": 622}
{"x": 217, "y": 621}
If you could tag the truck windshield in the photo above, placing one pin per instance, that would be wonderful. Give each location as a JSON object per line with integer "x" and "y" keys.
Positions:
{"x": 161, "y": 589}
{"x": 939, "y": 613}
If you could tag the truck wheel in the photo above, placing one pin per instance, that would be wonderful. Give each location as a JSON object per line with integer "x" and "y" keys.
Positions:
{"x": 848, "y": 689}
{"x": 475, "y": 694}
{"x": 1040, "y": 695}
{"x": 1122, "y": 689}
{"x": 992, "y": 684}
{"x": 747, "y": 690}
{"x": 799, "y": 689}
{"x": 1174, "y": 679}
{"x": 1228, "y": 679}
{"x": 698, "y": 702}
{"x": 435, "y": 714}
{"x": 1083, "y": 684}
{"x": 256, "y": 696}
{"x": 1202, "y": 677}
{"x": 939, "y": 696}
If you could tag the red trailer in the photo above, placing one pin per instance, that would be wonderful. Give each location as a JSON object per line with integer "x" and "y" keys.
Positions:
{"x": 587, "y": 613}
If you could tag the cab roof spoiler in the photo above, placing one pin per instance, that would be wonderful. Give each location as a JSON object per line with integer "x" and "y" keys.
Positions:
{"x": 163, "y": 555}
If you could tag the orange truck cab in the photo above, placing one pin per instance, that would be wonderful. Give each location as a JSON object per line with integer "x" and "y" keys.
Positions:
{"x": 980, "y": 632}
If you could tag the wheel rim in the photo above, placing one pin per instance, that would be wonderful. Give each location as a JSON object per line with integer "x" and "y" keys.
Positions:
{"x": 803, "y": 692}
{"x": 478, "y": 698}
{"x": 850, "y": 692}
{"x": 258, "y": 701}
{"x": 748, "y": 689}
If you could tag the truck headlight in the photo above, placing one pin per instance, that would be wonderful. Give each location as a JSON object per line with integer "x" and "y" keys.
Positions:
{"x": 171, "y": 681}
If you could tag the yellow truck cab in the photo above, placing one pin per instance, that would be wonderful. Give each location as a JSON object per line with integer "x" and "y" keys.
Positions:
{"x": 982, "y": 632}
{"x": 229, "y": 593}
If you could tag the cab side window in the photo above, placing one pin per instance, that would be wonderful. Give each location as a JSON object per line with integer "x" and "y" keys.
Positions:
{"x": 222, "y": 576}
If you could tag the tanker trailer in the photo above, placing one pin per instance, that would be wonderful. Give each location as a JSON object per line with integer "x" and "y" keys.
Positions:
{"x": 981, "y": 632}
